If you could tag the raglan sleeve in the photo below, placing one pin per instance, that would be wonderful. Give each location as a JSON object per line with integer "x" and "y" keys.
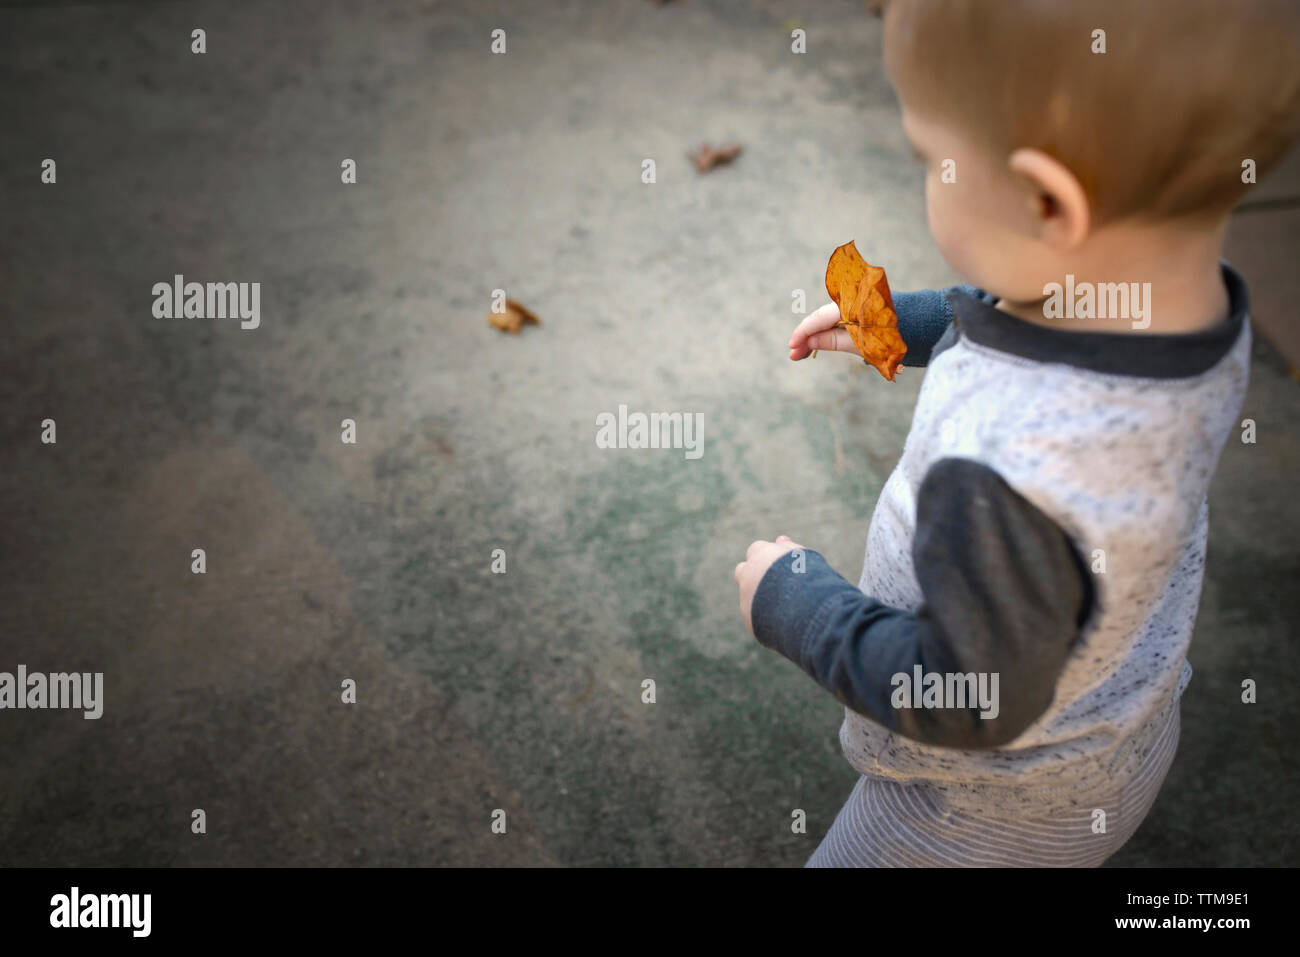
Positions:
{"x": 1005, "y": 594}
{"x": 923, "y": 317}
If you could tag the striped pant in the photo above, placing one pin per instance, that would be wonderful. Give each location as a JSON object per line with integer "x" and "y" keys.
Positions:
{"x": 887, "y": 823}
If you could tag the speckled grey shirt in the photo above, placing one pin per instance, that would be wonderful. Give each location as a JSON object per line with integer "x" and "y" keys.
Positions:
{"x": 1047, "y": 517}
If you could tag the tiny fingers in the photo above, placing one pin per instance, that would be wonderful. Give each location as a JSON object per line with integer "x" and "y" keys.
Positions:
{"x": 833, "y": 340}
{"x": 815, "y": 321}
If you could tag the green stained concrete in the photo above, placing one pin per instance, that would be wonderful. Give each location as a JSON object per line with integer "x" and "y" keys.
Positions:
{"x": 478, "y": 691}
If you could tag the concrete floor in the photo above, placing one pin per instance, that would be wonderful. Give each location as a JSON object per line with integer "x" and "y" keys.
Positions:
{"x": 371, "y": 561}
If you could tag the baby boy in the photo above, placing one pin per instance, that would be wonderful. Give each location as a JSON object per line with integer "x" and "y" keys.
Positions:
{"x": 1012, "y": 658}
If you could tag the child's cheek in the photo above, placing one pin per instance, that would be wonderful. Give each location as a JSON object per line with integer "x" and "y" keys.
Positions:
{"x": 949, "y": 233}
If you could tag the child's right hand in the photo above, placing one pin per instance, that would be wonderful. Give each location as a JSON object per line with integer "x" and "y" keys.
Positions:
{"x": 821, "y": 330}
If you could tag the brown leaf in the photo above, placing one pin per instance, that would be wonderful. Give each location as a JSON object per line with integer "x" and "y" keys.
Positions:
{"x": 513, "y": 319}
{"x": 706, "y": 157}
{"x": 866, "y": 309}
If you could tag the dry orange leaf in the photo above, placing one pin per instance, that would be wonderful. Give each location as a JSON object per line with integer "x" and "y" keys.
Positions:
{"x": 866, "y": 309}
{"x": 706, "y": 157}
{"x": 513, "y": 319}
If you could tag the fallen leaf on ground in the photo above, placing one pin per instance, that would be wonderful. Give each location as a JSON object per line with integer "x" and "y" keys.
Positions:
{"x": 513, "y": 319}
{"x": 866, "y": 309}
{"x": 706, "y": 157}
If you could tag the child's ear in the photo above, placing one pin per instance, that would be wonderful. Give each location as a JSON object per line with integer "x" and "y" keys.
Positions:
{"x": 1059, "y": 206}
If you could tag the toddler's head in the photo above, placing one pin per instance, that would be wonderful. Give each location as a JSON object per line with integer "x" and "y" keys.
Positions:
{"x": 1068, "y": 122}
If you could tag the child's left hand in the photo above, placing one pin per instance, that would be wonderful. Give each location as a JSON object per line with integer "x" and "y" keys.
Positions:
{"x": 758, "y": 559}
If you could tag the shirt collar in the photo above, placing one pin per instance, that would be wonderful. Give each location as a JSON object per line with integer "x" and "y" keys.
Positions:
{"x": 1158, "y": 355}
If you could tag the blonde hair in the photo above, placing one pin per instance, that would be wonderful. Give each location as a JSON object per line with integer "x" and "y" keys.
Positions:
{"x": 1156, "y": 127}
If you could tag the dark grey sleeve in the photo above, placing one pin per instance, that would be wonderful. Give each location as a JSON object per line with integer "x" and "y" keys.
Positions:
{"x": 923, "y": 317}
{"x": 1004, "y": 591}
